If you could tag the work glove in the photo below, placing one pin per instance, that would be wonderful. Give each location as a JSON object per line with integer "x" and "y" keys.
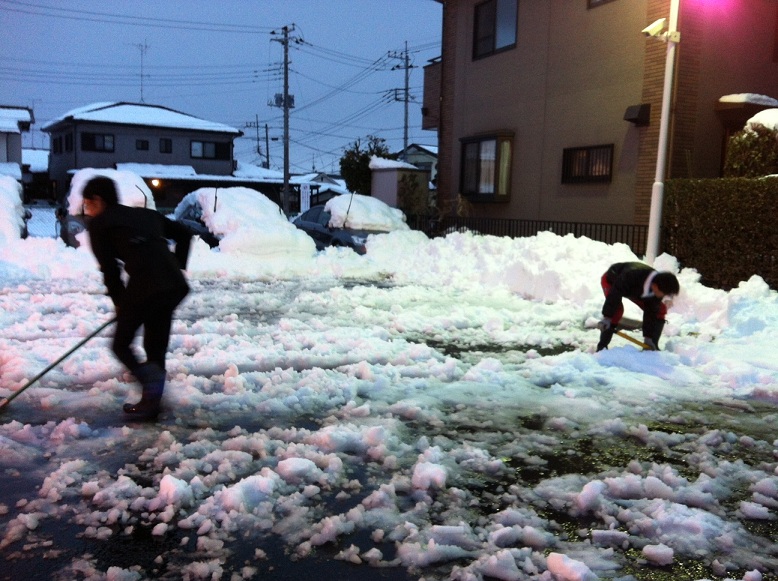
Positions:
{"x": 650, "y": 345}
{"x": 604, "y": 324}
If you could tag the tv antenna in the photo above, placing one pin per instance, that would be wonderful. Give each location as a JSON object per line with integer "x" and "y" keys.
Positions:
{"x": 142, "y": 48}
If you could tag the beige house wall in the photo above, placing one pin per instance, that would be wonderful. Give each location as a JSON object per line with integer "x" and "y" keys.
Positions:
{"x": 568, "y": 83}
{"x": 562, "y": 86}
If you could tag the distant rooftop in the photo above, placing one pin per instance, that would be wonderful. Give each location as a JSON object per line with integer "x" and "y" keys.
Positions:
{"x": 139, "y": 114}
{"x": 15, "y": 119}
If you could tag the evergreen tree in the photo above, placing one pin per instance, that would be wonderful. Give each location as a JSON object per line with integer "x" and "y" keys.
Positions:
{"x": 752, "y": 153}
{"x": 355, "y": 163}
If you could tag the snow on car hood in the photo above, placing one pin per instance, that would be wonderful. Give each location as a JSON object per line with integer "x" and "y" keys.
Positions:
{"x": 248, "y": 222}
{"x": 131, "y": 188}
{"x": 364, "y": 213}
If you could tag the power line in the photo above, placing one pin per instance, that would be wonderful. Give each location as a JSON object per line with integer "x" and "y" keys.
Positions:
{"x": 124, "y": 19}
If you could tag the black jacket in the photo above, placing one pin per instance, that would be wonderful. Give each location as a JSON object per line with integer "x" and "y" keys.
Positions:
{"x": 628, "y": 280}
{"x": 139, "y": 238}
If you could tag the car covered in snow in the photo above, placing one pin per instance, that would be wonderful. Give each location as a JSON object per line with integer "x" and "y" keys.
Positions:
{"x": 13, "y": 215}
{"x": 241, "y": 220}
{"x": 348, "y": 220}
{"x": 132, "y": 190}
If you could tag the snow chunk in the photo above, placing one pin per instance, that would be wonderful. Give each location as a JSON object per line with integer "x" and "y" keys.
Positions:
{"x": 658, "y": 554}
{"x": 566, "y": 569}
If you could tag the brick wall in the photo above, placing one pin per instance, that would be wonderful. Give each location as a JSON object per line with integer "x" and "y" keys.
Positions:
{"x": 653, "y": 80}
{"x": 683, "y": 108}
{"x": 447, "y": 182}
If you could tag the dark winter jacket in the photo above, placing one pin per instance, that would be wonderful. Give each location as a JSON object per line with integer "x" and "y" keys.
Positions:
{"x": 632, "y": 280}
{"x": 139, "y": 238}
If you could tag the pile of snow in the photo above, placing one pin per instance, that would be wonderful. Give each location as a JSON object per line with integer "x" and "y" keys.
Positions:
{"x": 246, "y": 221}
{"x": 364, "y": 213}
{"x": 11, "y": 209}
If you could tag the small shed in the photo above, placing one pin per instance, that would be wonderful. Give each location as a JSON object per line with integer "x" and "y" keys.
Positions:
{"x": 400, "y": 185}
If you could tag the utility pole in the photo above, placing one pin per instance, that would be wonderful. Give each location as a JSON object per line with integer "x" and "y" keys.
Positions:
{"x": 403, "y": 56}
{"x": 287, "y": 102}
{"x": 267, "y": 149}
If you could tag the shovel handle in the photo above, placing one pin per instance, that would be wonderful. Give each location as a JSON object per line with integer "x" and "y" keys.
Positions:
{"x": 14, "y": 395}
{"x": 633, "y": 340}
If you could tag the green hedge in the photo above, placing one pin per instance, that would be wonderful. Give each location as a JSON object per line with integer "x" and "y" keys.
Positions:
{"x": 726, "y": 229}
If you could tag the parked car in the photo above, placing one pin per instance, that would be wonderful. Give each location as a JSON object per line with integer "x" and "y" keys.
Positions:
{"x": 133, "y": 191}
{"x": 244, "y": 221}
{"x": 189, "y": 212}
{"x": 348, "y": 221}
{"x": 13, "y": 215}
{"x": 316, "y": 223}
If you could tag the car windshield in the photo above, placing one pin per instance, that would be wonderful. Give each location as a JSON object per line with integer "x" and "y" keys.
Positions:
{"x": 317, "y": 215}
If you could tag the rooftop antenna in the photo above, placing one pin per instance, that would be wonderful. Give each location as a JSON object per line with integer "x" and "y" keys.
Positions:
{"x": 142, "y": 48}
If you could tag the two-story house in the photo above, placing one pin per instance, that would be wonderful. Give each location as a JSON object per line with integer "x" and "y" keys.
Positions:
{"x": 13, "y": 122}
{"x": 550, "y": 109}
{"x": 103, "y": 135}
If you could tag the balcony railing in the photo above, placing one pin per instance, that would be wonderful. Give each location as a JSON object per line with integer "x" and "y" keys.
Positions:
{"x": 633, "y": 235}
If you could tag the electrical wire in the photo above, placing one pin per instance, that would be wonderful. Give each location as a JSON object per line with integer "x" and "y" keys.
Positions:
{"x": 128, "y": 20}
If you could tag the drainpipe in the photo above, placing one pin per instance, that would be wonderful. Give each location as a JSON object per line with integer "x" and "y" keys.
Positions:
{"x": 657, "y": 191}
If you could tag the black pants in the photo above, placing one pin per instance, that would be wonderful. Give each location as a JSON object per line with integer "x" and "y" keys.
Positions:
{"x": 155, "y": 315}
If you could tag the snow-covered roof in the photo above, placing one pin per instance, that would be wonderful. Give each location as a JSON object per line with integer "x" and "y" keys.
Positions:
{"x": 11, "y": 117}
{"x": 383, "y": 163}
{"x": 431, "y": 149}
{"x": 245, "y": 173}
{"x": 37, "y": 159}
{"x": 251, "y": 171}
{"x": 749, "y": 98}
{"x": 158, "y": 170}
{"x": 11, "y": 169}
{"x": 139, "y": 114}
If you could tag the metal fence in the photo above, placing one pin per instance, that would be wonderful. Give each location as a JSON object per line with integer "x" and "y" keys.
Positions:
{"x": 633, "y": 235}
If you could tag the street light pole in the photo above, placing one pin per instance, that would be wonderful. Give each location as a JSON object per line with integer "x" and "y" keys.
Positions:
{"x": 658, "y": 190}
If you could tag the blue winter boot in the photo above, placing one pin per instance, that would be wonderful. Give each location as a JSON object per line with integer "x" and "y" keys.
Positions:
{"x": 152, "y": 378}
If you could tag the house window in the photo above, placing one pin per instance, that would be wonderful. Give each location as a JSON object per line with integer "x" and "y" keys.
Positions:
{"x": 56, "y": 145}
{"x": 210, "y": 150}
{"x": 495, "y": 27}
{"x": 486, "y": 163}
{"x": 165, "y": 145}
{"x": 587, "y": 164}
{"x": 142, "y": 144}
{"x": 596, "y": 3}
{"x": 96, "y": 142}
{"x": 68, "y": 142}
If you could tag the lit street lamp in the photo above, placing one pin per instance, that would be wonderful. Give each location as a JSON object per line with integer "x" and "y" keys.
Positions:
{"x": 672, "y": 37}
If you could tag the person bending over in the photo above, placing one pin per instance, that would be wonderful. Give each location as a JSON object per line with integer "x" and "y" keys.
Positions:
{"x": 136, "y": 240}
{"x": 644, "y": 286}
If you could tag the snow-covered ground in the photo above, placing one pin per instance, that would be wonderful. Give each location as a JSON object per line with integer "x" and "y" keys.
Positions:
{"x": 433, "y": 409}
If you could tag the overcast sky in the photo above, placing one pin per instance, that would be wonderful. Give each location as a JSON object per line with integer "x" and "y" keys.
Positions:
{"x": 219, "y": 61}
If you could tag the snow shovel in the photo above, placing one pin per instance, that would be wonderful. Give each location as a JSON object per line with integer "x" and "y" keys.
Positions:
{"x": 633, "y": 340}
{"x": 10, "y": 398}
